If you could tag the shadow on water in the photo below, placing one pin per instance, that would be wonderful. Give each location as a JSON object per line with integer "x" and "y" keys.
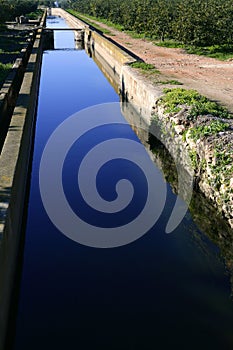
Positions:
{"x": 205, "y": 215}
{"x": 207, "y": 218}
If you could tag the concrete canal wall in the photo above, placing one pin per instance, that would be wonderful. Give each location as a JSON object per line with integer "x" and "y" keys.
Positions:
{"x": 11, "y": 86}
{"x": 132, "y": 86}
{"x": 14, "y": 169}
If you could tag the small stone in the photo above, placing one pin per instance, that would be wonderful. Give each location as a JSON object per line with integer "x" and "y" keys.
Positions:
{"x": 231, "y": 222}
{"x": 179, "y": 129}
{"x": 231, "y": 182}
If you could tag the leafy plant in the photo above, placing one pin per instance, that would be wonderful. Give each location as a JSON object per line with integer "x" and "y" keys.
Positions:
{"x": 200, "y": 105}
{"x": 214, "y": 127}
{"x": 170, "y": 82}
{"x": 205, "y": 106}
{"x": 173, "y": 98}
{"x": 142, "y": 65}
{"x": 193, "y": 157}
{"x": 4, "y": 70}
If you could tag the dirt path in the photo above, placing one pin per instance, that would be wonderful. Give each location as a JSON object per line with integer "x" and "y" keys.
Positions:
{"x": 211, "y": 77}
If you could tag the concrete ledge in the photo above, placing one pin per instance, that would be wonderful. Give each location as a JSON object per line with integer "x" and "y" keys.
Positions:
{"x": 10, "y": 88}
{"x": 14, "y": 167}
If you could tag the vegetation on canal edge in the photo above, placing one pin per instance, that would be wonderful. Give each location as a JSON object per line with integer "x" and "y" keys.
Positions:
{"x": 170, "y": 82}
{"x": 142, "y": 65}
{"x": 89, "y": 20}
{"x": 208, "y": 140}
{"x": 173, "y": 100}
{"x": 206, "y": 130}
{"x": 221, "y": 52}
{"x": 4, "y": 70}
{"x": 35, "y": 14}
{"x": 213, "y": 128}
{"x": 10, "y": 9}
{"x": 147, "y": 70}
{"x": 12, "y": 41}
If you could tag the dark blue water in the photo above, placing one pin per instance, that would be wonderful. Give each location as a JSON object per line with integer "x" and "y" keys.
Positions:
{"x": 159, "y": 292}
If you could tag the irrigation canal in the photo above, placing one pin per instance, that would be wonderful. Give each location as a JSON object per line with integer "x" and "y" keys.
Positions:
{"x": 160, "y": 291}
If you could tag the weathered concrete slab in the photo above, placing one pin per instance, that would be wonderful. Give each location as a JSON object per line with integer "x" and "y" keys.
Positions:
{"x": 14, "y": 167}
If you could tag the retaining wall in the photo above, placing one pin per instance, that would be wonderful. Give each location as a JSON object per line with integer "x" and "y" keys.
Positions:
{"x": 14, "y": 169}
{"x": 11, "y": 86}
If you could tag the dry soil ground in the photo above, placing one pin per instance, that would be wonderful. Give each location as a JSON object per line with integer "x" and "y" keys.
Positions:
{"x": 211, "y": 77}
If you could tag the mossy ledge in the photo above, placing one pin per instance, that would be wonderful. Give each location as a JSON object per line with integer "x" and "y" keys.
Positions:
{"x": 206, "y": 131}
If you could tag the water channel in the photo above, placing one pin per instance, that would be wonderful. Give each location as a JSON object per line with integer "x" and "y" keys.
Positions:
{"x": 159, "y": 292}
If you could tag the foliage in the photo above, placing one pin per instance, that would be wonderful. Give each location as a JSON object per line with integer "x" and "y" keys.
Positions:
{"x": 11, "y": 43}
{"x": 173, "y": 98}
{"x": 193, "y": 158}
{"x": 4, "y": 70}
{"x": 11, "y": 9}
{"x": 198, "y": 23}
{"x": 170, "y": 82}
{"x": 142, "y": 65}
{"x": 205, "y": 106}
{"x": 93, "y": 18}
{"x": 221, "y": 51}
{"x": 200, "y": 105}
{"x": 35, "y": 14}
{"x": 213, "y": 128}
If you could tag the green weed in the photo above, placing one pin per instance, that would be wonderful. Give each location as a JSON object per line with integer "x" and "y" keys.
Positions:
{"x": 221, "y": 52}
{"x": 213, "y": 128}
{"x": 200, "y": 105}
{"x": 4, "y": 70}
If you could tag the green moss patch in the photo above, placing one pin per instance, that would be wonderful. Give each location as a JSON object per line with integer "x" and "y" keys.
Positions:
{"x": 214, "y": 127}
{"x": 144, "y": 66}
{"x": 4, "y": 70}
{"x": 200, "y": 105}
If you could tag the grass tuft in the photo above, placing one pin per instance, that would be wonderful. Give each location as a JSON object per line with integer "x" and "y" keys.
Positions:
{"x": 200, "y": 105}
{"x": 213, "y": 128}
{"x": 221, "y": 52}
{"x": 142, "y": 65}
{"x": 4, "y": 70}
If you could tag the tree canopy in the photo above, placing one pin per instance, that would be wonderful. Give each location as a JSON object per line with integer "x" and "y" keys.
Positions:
{"x": 10, "y": 9}
{"x": 196, "y": 22}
